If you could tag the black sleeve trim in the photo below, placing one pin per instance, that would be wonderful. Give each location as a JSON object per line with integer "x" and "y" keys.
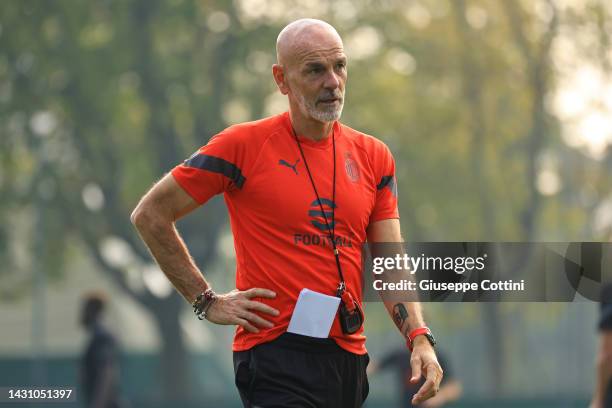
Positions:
{"x": 388, "y": 181}
{"x": 217, "y": 165}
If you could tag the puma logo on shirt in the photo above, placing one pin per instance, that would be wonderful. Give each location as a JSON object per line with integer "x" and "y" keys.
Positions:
{"x": 292, "y": 166}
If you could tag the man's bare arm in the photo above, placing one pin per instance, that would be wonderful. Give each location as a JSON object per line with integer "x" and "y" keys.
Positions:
{"x": 408, "y": 316}
{"x": 155, "y": 218}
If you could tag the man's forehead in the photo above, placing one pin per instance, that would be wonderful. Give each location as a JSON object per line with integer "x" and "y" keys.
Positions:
{"x": 316, "y": 55}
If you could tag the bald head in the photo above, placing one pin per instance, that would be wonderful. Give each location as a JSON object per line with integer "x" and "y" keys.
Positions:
{"x": 311, "y": 70}
{"x": 299, "y": 37}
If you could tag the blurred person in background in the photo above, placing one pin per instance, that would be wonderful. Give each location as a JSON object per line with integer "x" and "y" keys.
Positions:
{"x": 603, "y": 380}
{"x": 298, "y": 220}
{"x": 99, "y": 374}
{"x": 398, "y": 360}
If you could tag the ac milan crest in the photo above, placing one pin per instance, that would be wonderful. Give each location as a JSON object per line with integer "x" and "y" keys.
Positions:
{"x": 350, "y": 165}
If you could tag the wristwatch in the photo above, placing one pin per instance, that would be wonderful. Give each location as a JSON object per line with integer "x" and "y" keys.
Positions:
{"x": 421, "y": 331}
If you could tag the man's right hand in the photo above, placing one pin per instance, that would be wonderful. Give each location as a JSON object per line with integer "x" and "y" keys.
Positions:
{"x": 236, "y": 307}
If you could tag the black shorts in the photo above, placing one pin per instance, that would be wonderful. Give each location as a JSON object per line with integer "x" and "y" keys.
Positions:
{"x": 299, "y": 371}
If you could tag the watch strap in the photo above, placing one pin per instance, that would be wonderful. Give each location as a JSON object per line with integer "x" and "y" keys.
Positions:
{"x": 420, "y": 331}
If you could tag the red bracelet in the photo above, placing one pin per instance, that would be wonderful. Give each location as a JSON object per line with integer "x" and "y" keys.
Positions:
{"x": 418, "y": 332}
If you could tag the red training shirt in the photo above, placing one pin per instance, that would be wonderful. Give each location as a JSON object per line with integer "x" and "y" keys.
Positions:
{"x": 280, "y": 236}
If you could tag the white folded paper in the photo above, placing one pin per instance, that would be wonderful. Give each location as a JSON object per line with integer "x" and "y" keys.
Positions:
{"x": 314, "y": 314}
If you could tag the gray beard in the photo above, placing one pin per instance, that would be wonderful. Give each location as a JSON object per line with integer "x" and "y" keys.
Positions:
{"x": 322, "y": 115}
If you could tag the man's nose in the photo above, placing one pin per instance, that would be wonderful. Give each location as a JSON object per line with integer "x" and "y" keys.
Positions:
{"x": 332, "y": 80}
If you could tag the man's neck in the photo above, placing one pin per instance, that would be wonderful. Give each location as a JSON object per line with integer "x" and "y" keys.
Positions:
{"x": 310, "y": 128}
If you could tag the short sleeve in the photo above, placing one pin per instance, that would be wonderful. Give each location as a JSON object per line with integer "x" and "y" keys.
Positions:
{"x": 215, "y": 168}
{"x": 385, "y": 206}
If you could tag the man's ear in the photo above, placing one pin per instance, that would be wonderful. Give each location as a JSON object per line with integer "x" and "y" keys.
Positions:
{"x": 278, "y": 72}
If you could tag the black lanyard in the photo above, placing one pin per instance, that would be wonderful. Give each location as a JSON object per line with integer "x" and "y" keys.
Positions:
{"x": 332, "y": 236}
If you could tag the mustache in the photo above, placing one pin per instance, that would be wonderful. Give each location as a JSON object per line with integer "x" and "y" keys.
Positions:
{"x": 326, "y": 96}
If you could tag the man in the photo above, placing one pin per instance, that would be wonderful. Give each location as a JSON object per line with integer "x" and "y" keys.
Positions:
{"x": 603, "y": 387}
{"x": 99, "y": 367}
{"x": 398, "y": 360}
{"x": 303, "y": 192}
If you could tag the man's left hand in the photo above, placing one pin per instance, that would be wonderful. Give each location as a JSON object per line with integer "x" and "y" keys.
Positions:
{"x": 425, "y": 363}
